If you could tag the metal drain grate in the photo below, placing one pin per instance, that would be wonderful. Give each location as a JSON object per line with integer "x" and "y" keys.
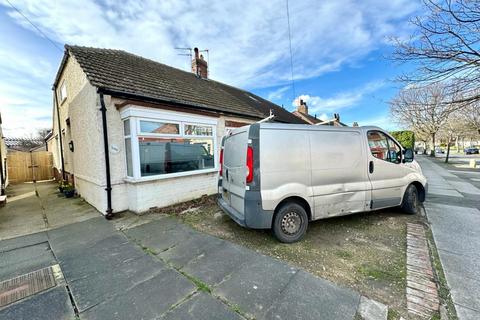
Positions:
{"x": 25, "y": 285}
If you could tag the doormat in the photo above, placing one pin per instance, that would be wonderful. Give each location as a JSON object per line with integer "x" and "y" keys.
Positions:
{"x": 26, "y": 285}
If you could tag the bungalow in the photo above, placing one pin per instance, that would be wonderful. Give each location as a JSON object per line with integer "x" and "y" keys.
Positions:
{"x": 132, "y": 133}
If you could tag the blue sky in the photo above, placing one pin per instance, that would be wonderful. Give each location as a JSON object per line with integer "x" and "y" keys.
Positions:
{"x": 339, "y": 49}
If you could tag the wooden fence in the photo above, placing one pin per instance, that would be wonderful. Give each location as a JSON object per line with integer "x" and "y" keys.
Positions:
{"x": 29, "y": 166}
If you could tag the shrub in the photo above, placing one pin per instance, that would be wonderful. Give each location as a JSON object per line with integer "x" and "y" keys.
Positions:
{"x": 406, "y": 138}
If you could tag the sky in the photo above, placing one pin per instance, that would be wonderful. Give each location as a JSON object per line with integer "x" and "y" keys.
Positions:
{"x": 340, "y": 50}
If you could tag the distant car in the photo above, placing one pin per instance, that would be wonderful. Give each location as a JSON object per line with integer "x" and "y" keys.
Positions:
{"x": 439, "y": 150}
{"x": 471, "y": 150}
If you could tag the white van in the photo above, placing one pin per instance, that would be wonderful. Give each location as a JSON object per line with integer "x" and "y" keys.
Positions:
{"x": 281, "y": 176}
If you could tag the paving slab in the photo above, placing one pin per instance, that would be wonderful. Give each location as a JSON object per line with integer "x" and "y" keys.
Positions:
{"x": 466, "y": 313}
{"x": 202, "y": 306}
{"x": 190, "y": 248}
{"x": 308, "y": 297}
{"x": 219, "y": 261}
{"x": 257, "y": 285}
{"x": 100, "y": 284}
{"x": 80, "y": 234}
{"x": 24, "y": 260}
{"x": 464, "y": 291}
{"x": 159, "y": 235}
{"x": 466, "y": 266}
{"x": 372, "y": 310}
{"x": 444, "y": 191}
{"x": 455, "y": 228}
{"x": 102, "y": 256}
{"x": 23, "y": 241}
{"x": 147, "y": 300}
{"x": 465, "y": 187}
{"x": 48, "y": 305}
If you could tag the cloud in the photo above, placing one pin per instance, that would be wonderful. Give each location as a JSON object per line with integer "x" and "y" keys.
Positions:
{"x": 247, "y": 40}
{"x": 339, "y": 101}
{"x": 278, "y": 93}
{"x": 248, "y": 49}
{"x": 383, "y": 121}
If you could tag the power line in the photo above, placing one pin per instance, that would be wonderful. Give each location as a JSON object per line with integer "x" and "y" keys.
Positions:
{"x": 291, "y": 55}
{"x": 37, "y": 28}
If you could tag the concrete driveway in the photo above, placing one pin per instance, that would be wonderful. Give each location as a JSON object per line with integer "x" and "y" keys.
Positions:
{"x": 138, "y": 268}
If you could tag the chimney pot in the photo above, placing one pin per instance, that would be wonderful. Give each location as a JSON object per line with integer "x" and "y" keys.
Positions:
{"x": 302, "y": 107}
{"x": 199, "y": 65}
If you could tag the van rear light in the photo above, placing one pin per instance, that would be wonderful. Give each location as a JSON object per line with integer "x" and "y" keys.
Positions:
{"x": 221, "y": 162}
{"x": 249, "y": 164}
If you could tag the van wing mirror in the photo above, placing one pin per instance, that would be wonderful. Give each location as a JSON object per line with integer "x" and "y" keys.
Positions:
{"x": 408, "y": 155}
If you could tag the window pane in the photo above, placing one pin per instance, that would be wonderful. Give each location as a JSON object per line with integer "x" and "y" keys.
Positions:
{"x": 378, "y": 144}
{"x": 159, "y": 127}
{"x": 128, "y": 151}
{"x": 170, "y": 155}
{"x": 196, "y": 130}
{"x": 63, "y": 91}
{"x": 394, "y": 152}
{"x": 126, "y": 127}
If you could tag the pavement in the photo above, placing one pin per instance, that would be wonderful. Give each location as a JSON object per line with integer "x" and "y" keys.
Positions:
{"x": 452, "y": 208}
{"x": 157, "y": 268}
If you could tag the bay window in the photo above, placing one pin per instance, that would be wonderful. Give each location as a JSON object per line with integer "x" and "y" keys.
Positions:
{"x": 169, "y": 146}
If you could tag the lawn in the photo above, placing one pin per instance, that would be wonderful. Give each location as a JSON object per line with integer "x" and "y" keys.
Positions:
{"x": 364, "y": 251}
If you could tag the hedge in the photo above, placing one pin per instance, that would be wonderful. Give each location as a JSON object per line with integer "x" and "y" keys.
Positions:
{"x": 406, "y": 138}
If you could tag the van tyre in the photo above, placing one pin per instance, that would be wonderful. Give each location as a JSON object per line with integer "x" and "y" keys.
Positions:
{"x": 411, "y": 203}
{"x": 290, "y": 223}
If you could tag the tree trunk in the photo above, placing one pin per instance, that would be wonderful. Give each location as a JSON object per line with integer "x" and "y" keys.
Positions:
{"x": 448, "y": 150}
{"x": 432, "y": 152}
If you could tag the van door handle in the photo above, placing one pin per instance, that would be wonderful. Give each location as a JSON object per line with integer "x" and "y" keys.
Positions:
{"x": 370, "y": 167}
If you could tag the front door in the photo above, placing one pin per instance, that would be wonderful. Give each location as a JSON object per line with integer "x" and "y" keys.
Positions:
{"x": 385, "y": 170}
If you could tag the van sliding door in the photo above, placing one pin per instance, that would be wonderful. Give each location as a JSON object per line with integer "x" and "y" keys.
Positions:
{"x": 339, "y": 181}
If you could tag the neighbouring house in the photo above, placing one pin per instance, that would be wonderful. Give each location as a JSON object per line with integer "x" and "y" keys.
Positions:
{"x": 132, "y": 133}
{"x": 3, "y": 163}
{"x": 302, "y": 113}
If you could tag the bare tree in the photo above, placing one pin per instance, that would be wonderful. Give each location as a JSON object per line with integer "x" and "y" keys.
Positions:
{"x": 471, "y": 117}
{"x": 453, "y": 128}
{"x": 423, "y": 109}
{"x": 445, "y": 46}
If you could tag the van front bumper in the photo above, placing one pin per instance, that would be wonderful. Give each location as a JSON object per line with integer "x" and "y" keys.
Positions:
{"x": 255, "y": 217}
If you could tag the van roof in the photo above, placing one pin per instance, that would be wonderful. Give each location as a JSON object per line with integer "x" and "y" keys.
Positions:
{"x": 273, "y": 125}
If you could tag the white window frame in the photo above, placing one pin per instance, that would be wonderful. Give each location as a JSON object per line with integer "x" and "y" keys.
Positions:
{"x": 125, "y": 137}
{"x": 135, "y": 114}
{"x": 63, "y": 95}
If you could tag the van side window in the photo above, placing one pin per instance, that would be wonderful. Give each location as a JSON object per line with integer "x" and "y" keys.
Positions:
{"x": 383, "y": 147}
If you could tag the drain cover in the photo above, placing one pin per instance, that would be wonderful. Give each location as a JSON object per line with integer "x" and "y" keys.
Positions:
{"x": 25, "y": 285}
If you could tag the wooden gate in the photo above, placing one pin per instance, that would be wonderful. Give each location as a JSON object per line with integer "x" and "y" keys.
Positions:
{"x": 29, "y": 166}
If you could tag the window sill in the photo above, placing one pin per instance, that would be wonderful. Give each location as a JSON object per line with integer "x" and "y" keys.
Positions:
{"x": 168, "y": 176}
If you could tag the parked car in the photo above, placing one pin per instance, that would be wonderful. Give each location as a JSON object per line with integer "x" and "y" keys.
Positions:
{"x": 471, "y": 150}
{"x": 282, "y": 176}
{"x": 439, "y": 150}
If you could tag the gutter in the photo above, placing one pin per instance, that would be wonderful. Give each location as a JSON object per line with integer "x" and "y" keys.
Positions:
{"x": 125, "y": 95}
{"x": 103, "y": 109}
{"x": 54, "y": 88}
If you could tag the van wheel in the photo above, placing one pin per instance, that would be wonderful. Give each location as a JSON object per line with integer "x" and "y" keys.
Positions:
{"x": 410, "y": 203}
{"x": 290, "y": 223}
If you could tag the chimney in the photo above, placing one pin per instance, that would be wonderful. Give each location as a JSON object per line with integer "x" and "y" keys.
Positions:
{"x": 199, "y": 65}
{"x": 302, "y": 106}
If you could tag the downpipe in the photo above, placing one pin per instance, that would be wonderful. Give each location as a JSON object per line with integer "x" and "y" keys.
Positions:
{"x": 103, "y": 109}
